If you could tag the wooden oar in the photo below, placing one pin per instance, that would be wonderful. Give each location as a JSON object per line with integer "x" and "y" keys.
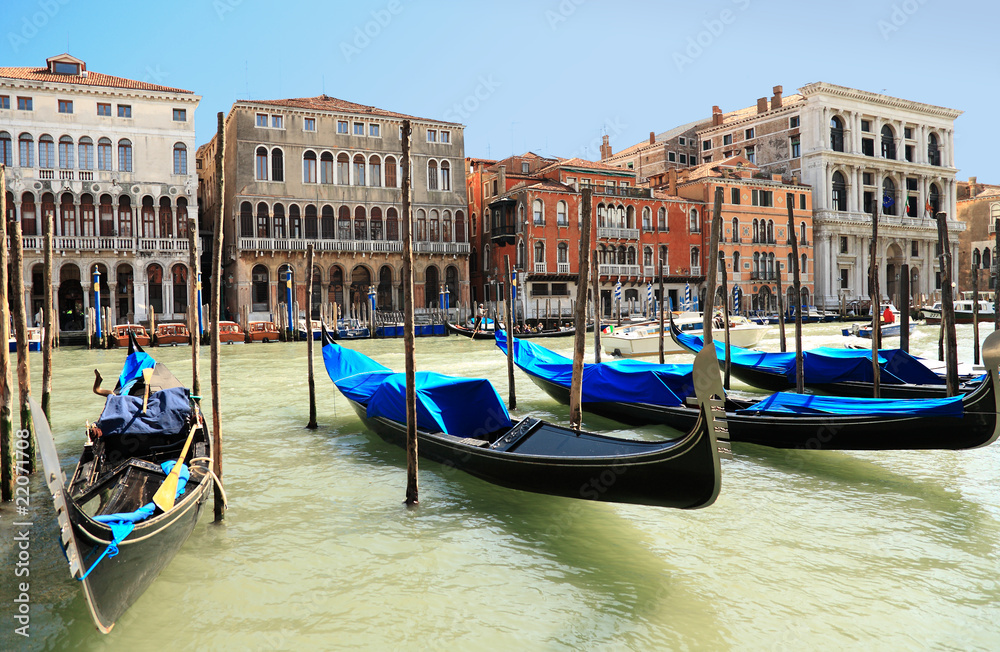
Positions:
{"x": 147, "y": 375}
{"x": 167, "y": 493}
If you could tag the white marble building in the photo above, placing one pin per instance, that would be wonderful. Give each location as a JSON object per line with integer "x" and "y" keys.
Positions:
{"x": 112, "y": 160}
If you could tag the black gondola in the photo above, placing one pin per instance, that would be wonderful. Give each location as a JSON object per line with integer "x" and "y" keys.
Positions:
{"x": 114, "y": 558}
{"x": 902, "y": 376}
{"x": 530, "y": 454}
{"x": 465, "y": 331}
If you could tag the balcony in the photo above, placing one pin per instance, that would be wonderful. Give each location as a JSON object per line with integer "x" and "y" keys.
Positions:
{"x": 696, "y": 270}
{"x": 351, "y": 246}
{"x": 617, "y": 234}
{"x": 562, "y": 268}
{"x": 618, "y": 270}
{"x": 503, "y": 232}
{"x": 107, "y": 243}
{"x": 622, "y": 191}
{"x": 65, "y": 175}
{"x": 430, "y": 247}
{"x": 763, "y": 276}
{"x": 46, "y": 174}
{"x": 539, "y": 268}
{"x": 648, "y": 270}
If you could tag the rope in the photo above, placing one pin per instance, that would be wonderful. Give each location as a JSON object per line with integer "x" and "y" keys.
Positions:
{"x": 218, "y": 482}
{"x": 120, "y": 530}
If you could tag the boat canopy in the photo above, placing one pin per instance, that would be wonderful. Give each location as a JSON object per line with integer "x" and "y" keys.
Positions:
{"x": 167, "y": 413}
{"x": 616, "y": 381}
{"x": 790, "y": 403}
{"x": 462, "y": 407}
{"x": 828, "y": 365}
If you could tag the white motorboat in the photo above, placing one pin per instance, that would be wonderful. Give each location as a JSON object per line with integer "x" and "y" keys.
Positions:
{"x": 644, "y": 340}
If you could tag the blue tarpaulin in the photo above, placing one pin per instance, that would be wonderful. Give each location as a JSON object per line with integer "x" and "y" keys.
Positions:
{"x": 167, "y": 413}
{"x": 789, "y": 403}
{"x": 132, "y": 370}
{"x": 463, "y": 407}
{"x": 827, "y": 365}
{"x": 625, "y": 381}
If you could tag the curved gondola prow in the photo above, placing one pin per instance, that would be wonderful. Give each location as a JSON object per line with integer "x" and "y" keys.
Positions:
{"x": 675, "y": 332}
{"x": 711, "y": 401}
{"x": 327, "y": 337}
{"x": 133, "y": 344}
{"x": 991, "y": 358}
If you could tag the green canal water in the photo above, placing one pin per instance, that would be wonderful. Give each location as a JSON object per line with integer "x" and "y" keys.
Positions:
{"x": 803, "y": 550}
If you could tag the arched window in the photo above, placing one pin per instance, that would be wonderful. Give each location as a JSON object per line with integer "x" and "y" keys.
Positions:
{"x": 359, "y": 170}
{"x": 756, "y": 264}
{"x": 277, "y": 165}
{"x": 46, "y": 152}
{"x": 391, "y": 224}
{"x": 246, "y": 220}
{"x": 260, "y": 289}
{"x": 647, "y": 256}
{"x": 154, "y": 282}
{"x": 756, "y": 231}
{"x": 326, "y": 168}
{"x": 179, "y": 274}
{"x": 343, "y": 169}
{"x": 934, "y": 199}
{"x": 888, "y": 196}
{"x": 562, "y": 253}
{"x": 68, "y": 213}
{"x": 460, "y": 235}
{"x": 375, "y": 224}
{"x": 802, "y": 233}
{"x": 124, "y": 216}
{"x": 888, "y": 143}
{"x": 539, "y": 256}
{"x": 695, "y": 224}
{"x": 375, "y": 170}
{"x": 180, "y": 158}
{"x": 312, "y": 223}
{"x": 107, "y": 216}
{"x": 390, "y": 172}
{"x": 630, "y": 217}
{"x": 166, "y": 218}
{"x": 538, "y": 213}
{"x": 420, "y": 234}
{"x": 124, "y": 155}
{"x": 261, "y": 167}
{"x": 661, "y": 220}
{"x": 602, "y": 216}
{"x": 88, "y": 219}
{"x": 561, "y": 218}
{"x": 26, "y": 150}
{"x": 344, "y": 223}
{"x": 432, "y": 175}
{"x": 664, "y": 259}
{"x": 279, "y": 222}
{"x": 434, "y": 227}
{"x": 6, "y": 149}
{"x": 104, "y": 154}
{"x": 446, "y": 226}
{"x": 836, "y": 134}
{"x": 986, "y": 258}
{"x": 647, "y": 219}
{"x": 294, "y": 222}
{"x": 790, "y": 264}
{"x": 328, "y": 225}
{"x": 336, "y": 294}
{"x": 86, "y": 148}
{"x": 149, "y": 218}
{"x": 182, "y": 217}
{"x": 736, "y": 265}
{"x": 839, "y": 190}
{"x": 360, "y": 224}
{"x": 630, "y": 256}
{"x": 933, "y": 150}
{"x": 65, "y": 153}
{"x": 770, "y": 231}
{"x": 695, "y": 258}
{"x": 309, "y": 167}
{"x": 622, "y": 255}
{"x": 431, "y": 287}
{"x": 263, "y": 226}
{"x": 445, "y": 175}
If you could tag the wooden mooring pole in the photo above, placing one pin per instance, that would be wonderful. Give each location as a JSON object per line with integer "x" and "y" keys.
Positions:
{"x": 904, "y": 314}
{"x": 996, "y": 275}
{"x": 711, "y": 274}
{"x": 948, "y": 308}
{"x": 412, "y": 480}
{"x": 216, "y": 302}
{"x": 663, "y": 300}
{"x": 797, "y": 290}
{"x": 782, "y": 345}
{"x": 8, "y": 464}
{"x": 728, "y": 365}
{"x": 194, "y": 292}
{"x": 596, "y": 284}
{"x": 48, "y": 321}
{"x": 27, "y": 461}
{"x": 873, "y": 291}
{"x": 975, "y": 314}
{"x": 580, "y": 336}
{"x": 310, "y": 254}
{"x": 509, "y": 321}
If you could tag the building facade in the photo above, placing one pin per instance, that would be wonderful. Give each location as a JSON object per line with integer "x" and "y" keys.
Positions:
{"x": 858, "y": 151}
{"x": 108, "y": 159}
{"x": 978, "y": 208}
{"x": 673, "y": 149}
{"x": 327, "y": 172}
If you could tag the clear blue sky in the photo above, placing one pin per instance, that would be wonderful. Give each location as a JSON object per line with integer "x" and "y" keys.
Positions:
{"x": 549, "y": 76}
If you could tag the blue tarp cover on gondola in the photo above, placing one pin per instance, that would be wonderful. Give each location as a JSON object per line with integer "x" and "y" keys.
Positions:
{"x": 132, "y": 370}
{"x": 167, "y": 413}
{"x": 790, "y": 403}
{"x": 463, "y": 407}
{"x": 828, "y": 365}
{"x": 626, "y": 381}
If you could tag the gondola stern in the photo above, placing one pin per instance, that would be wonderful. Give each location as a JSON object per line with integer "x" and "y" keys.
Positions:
{"x": 991, "y": 358}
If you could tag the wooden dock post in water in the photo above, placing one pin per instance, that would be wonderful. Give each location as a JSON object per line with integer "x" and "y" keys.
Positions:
{"x": 975, "y": 314}
{"x": 194, "y": 292}
{"x": 782, "y": 346}
{"x": 216, "y": 301}
{"x": 597, "y": 310}
{"x": 21, "y": 335}
{"x": 8, "y": 465}
{"x": 48, "y": 323}
{"x": 728, "y": 365}
{"x": 948, "y": 308}
{"x": 412, "y": 476}
{"x": 711, "y": 274}
{"x": 797, "y": 290}
{"x": 873, "y": 291}
{"x": 310, "y": 255}
{"x": 580, "y": 318}
{"x": 904, "y": 314}
{"x": 996, "y": 286}
{"x": 509, "y": 321}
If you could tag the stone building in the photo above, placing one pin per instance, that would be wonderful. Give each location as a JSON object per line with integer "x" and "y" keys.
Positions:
{"x": 673, "y": 149}
{"x": 108, "y": 159}
{"x": 857, "y": 150}
{"x": 978, "y": 207}
{"x": 324, "y": 171}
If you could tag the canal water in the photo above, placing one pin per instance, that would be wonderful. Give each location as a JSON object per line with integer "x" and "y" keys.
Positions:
{"x": 803, "y": 550}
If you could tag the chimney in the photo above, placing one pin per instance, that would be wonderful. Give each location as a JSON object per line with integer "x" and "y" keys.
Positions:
{"x": 762, "y": 105}
{"x": 672, "y": 181}
{"x": 972, "y": 186}
{"x": 605, "y": 148}
{"x": 776, "y": 100}
{"x": 652, "y": 138}
{"x": 716, "y": 116}
{"x": 503, "y": 180}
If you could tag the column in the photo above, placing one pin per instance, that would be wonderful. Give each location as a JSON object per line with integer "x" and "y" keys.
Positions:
{"x": 951, "y": 148}
{"x": 113, "y": 298}
{"x": 921, "y": 156}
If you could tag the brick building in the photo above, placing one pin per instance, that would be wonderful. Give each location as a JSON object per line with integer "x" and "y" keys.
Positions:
{"x": 673, "y": 149}
{"x": 326, "y": 172}
{"x": 978, "y": 207}
{"x": 529, "y": 208}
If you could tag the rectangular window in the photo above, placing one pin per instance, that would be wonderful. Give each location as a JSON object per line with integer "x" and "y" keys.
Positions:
{"x": 908, "y": 153}
{"x": 914, "y": 248}
{"x": 868, "y": 147}
{"x": 64, "y": 68}
{"x": 693, "y": 160}
{"x": 866, "y": 125}
{"x": 684, "y": 159}
{"x": 802, "y": 202}
{"x": 341, "y": 126}
{"x": 681, "y": 141}
{"x": 124, "y": 110}
{"x": 359, "y": 129}
{"x": 180, "y": 115}
{"x": 24, "y": 104}
{"x": 103, "y": 108}
{"x": 4, "y": 101}
{"x": 309, "y": 124}
{"x": 373, "y": 131}
{"x": 276, "y": 122}
{"x": 734, "y": 196}
{"x": 432, "y": 135}
{"x": 104, "y": 155}
{"x": 867, "y": 178}
{"x": 706, "y": 159}
{"x": 65, "y": 106}
{"x": 706, "y": 145}
{"x": 907, "y": 132}
{"x": 796, "y": 147}
{"x": 671, "y": 157}
{"x": 867, "y": 201}
{"x": 748, "y": 134}
{"x": 751, "y": 153}
{"x": 843, "y": 244}
{"x": 762, "y": 197}
{"x": 262, "y": 120}
{"x": 843, "y": 278}
{"x": 727, "y": 139}
{"x": 793, "y": 122}
{"x": 445, "y": 136}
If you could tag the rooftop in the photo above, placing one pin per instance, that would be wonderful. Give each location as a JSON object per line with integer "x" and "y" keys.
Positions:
{"x": 327, "y": 103}
{"x": 82, "y": 76}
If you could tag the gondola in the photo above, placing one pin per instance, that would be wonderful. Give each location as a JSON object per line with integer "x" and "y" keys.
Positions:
{"x": 469, "y": 332}
{"x": 784, "y": 420}
{"x": 464, "y": 424}
{"x": 841, "y": 372}
{"x": 115, "y": 539}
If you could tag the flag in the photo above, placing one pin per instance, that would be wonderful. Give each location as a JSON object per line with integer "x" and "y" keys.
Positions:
{"x": 887, "y": 201}
{"x": 928, "y": 208}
